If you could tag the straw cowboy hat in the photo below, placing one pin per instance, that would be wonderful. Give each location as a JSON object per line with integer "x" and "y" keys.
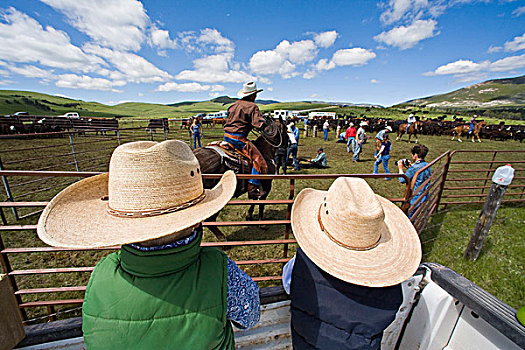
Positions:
{"x": 355, "y": 235}
{"x": 152, "y": 190}
{"x": 248, "y": 89}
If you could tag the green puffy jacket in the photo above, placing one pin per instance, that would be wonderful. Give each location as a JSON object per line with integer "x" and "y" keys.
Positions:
{"x": 166, "y": 299}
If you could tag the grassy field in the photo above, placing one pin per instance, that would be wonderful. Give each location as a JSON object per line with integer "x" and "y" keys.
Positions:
{"x": 499, "y": 269}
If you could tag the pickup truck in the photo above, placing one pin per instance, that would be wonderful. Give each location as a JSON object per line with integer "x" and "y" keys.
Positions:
{"x": 73, "y": 115}
{"x": 441, "y": 310}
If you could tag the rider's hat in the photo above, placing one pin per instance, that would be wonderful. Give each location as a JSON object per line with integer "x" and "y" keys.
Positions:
{"x": 248, "y": 89}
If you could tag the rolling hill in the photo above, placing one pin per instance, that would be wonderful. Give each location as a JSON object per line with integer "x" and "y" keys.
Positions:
{"x": 509, "y": 92}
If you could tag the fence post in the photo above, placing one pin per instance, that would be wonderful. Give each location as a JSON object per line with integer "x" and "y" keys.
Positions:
{"x": 4, "y": 261}
{"x": 315, "y": 131}
{"x": 8, "y": 192}
{"x": 443, "y": 180}
{"x": 488, "y": 213}
{"x": 118, "y": 136}
{"x": 74, "y": 153}
{"x": 406, "y": 197}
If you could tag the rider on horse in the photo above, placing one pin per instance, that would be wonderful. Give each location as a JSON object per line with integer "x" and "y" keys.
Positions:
{"x": 472, "y": 122}
{"x": 411, "y": 119}
{"x": 243, "y": 116}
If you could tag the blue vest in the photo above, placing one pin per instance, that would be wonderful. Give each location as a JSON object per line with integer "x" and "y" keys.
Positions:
{"x": 328, "y": 313}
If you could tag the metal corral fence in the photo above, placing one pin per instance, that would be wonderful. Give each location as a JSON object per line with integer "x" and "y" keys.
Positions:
{"x": 36, "y": 272}
{"x": 47, "y": 280}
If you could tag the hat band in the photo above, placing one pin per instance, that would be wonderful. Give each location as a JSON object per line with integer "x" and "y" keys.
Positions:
{"x": 155, "y": 212}
{"x": 340, "y": 243}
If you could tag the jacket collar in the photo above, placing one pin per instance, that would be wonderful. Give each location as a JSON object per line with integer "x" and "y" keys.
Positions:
{"x": 159, "y": 262}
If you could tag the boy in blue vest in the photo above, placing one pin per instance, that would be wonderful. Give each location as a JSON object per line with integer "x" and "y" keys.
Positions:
{"x": 355, "y": 249}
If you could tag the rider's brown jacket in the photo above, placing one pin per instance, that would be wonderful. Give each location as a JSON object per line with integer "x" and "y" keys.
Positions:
{"x": 243, "y": 116}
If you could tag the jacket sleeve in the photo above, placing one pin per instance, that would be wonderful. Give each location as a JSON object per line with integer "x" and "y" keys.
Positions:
{"x": 257, "y": 118}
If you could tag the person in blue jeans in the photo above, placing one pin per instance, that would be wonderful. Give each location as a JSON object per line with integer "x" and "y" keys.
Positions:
{"x": 326, "y": 127}
{"x": 419, "y": 152}
{"x": 383, "y": 156}
{"x": 293, "y": 136}
{"x": 196, "y": 132}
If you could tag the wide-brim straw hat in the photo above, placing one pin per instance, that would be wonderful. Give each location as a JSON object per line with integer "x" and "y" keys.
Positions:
{"x": 248, "y": 89}
{"x": 152, "y": 190}
{"x": 355, "y": 235}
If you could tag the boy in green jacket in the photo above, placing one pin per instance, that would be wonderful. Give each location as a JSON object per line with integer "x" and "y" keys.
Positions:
{"x": 164, "y": 292}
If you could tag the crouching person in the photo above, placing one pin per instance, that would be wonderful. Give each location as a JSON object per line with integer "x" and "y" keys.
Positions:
{"x": 355, "y": 249}
{"x": 161, "y": 290}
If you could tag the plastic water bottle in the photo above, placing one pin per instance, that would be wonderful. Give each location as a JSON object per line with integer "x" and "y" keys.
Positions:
{"x": 503, "y": 175}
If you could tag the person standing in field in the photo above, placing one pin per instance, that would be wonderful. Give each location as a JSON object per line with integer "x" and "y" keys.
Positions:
{"x": 383, "y": 155}
{"x": 196, "y": 132}
{"x": 293, "y": 136}
{"x": 326, "y": 127}
{"x": 161, "y": 290}
{"x": 379, "y": 138}
{"x": 350, "y": 137}
{"x": 419, "y": 152}
{"x": 360, "y": 140}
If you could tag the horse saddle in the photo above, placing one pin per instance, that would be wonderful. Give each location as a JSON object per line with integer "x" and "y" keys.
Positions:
{"x": 231, "y": 157}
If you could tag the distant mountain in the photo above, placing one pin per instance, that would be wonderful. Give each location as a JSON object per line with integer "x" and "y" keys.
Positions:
{"x": 346, "y": 104}
{"x": 508, "y": 92}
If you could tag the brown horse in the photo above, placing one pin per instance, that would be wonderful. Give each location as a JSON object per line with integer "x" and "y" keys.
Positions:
{"x": 458, "y": 130}
{"x": 218, "y": 121}
{"x": 412, "y": 130}
{"x": 274, "y": 135}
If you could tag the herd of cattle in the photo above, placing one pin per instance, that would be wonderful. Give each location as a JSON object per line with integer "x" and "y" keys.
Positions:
{"x": 429, "y": 126}
{"x": 28, "y": 124}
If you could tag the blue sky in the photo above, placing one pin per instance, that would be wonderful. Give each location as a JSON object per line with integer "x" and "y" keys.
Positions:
{"x": 382, "y": 52}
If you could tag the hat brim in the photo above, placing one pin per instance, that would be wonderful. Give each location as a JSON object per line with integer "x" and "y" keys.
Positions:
{"x": 244, "y": 94}
{"x": 78, "y": 218}
{"x": 392, "y": 261}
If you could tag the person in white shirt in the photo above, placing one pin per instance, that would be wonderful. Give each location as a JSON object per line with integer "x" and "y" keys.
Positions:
{"x": 326, "y": 126}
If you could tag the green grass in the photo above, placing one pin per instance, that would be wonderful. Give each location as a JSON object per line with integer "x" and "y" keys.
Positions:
{"x": 499, "y": 268}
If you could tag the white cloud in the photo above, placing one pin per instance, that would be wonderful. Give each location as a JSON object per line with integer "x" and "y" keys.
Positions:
{"x": 467, "y": 70}
{"x": 298, "y": 52}
{"x": 398, "y": 9}
{"x": 118, "y": 24}
{"x": 73, "y": 81}
{"x": 283, "y": 60}
{"x": 214, "y": 69}
{"x": 25, "y": 41}
{"x": 405, "y": 37}
{"x": 214, "y": 94}
{"x": 185, "y": 87}
{"x": 355, "y": 56}
{"x": 161, "y": 39}
{"x": 132, "y": 67}
{"x": 208, "y": 41}
{"x": 218, "y": 88}
{"x": 459, "y": 67}
{"x": 269, "y": 88}
{"x": 352, "y": 57}
{"x": 508, "y": 64}
{"x": 214, "y": 39}
{"x": 266, "y": 62}
{"x": 373, "y": 81}
{"x": 493, "y": 49}
{"x": 325, "y": 39}
{"x": 519, "y": 11}
{"x": 517, "y": 44}
{"x": 33, "y": 72}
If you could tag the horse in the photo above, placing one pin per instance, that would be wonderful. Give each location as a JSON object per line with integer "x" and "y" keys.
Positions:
{"x": 273, "y": 136}
{"x": 458, "y": 130}
{"x": 218, "y": 121}
{"x": 412, "y": 130}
